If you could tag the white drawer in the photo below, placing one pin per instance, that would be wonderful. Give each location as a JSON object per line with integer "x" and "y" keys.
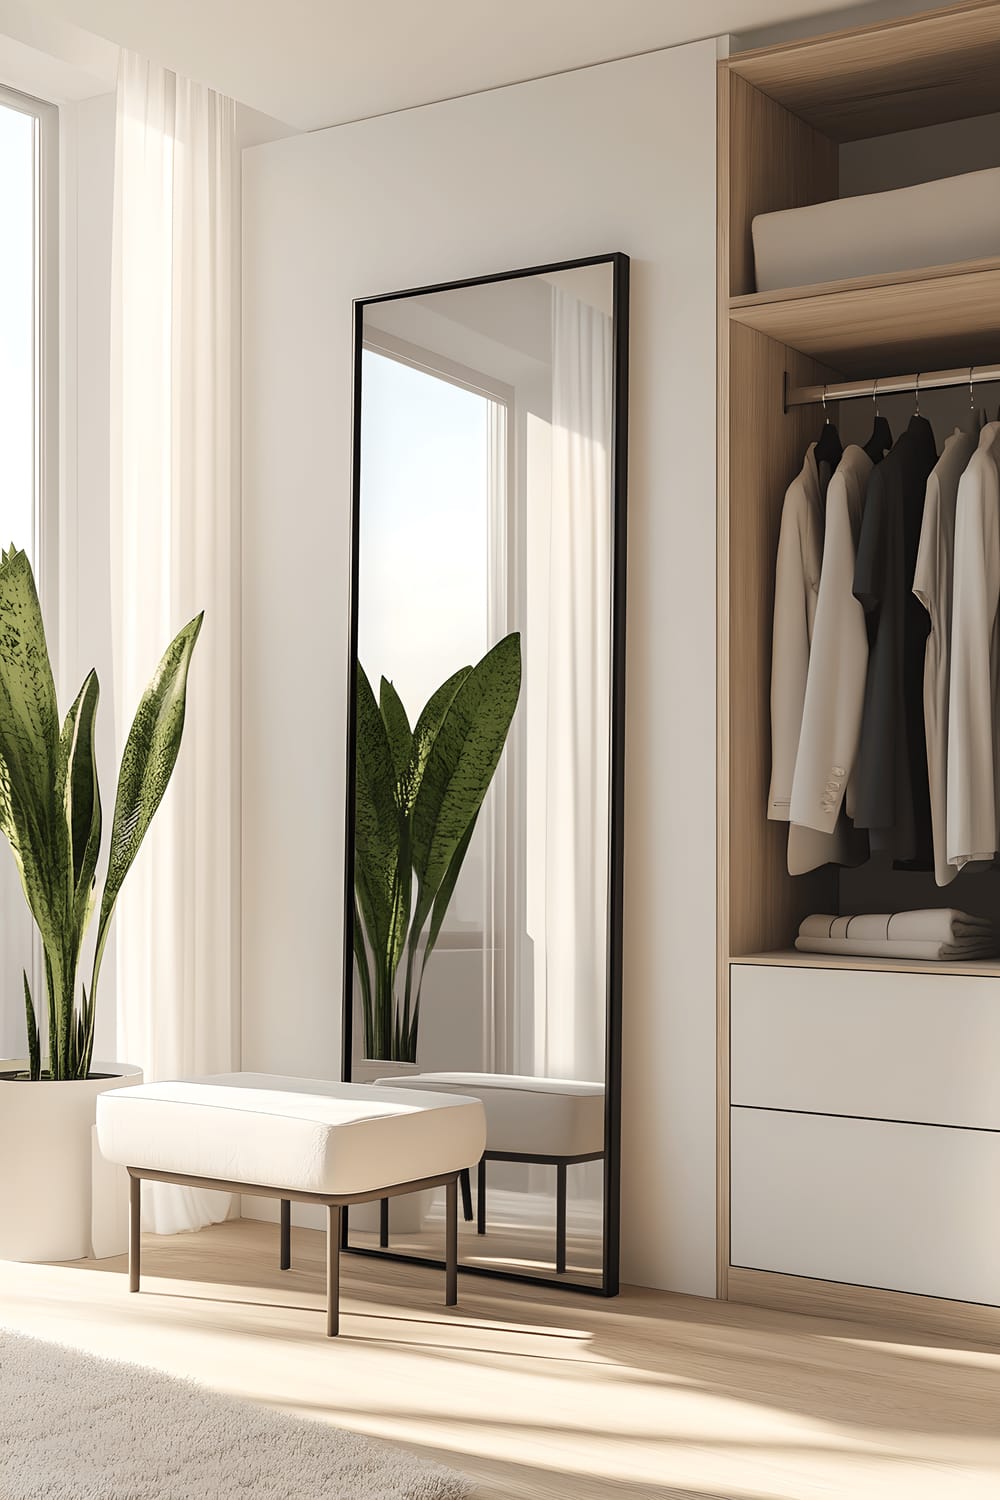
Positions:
{"x": 886, "y": 1046}
{"x": 913, "y": 1208}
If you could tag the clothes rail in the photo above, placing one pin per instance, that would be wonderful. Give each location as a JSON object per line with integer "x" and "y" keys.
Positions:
{"x": 854, "y": 390}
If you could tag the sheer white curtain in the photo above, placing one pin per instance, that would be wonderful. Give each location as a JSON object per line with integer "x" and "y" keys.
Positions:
{"x": 174, "y": 532}
{"x": 571, "y": 968}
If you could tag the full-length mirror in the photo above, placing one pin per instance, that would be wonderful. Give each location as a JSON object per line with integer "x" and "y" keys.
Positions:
{"x": 485, "y": 787}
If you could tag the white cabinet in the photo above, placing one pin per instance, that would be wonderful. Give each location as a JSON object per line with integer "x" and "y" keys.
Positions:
{"x": 915, "y": 1208}
{"x": 887, "y": 1046}
{"x": 865, "y": 1128}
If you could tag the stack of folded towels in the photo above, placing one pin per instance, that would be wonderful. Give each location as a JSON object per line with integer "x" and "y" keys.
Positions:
{"x": 933, "y": 934}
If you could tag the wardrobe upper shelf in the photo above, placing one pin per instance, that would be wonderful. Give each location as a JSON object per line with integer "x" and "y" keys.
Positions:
{"x": 890, "y": 76}
{"x": 791, "y": 958}
{"x": 937, "y": 317}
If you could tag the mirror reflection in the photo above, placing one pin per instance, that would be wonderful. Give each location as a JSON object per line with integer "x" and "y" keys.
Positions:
{"x": 483, "y": 736}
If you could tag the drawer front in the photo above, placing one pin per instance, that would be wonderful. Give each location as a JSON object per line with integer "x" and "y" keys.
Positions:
{"x": 911, "y": 1208}
{"x": 922, "y": 1047}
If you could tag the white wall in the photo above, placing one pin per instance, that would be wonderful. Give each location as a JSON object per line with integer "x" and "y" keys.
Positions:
{"x": 615, "y": 157}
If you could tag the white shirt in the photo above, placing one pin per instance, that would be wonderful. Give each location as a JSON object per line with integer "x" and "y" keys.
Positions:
{"x": 972, "y": 806}
{"x": 933, "y": 586}
{"x": 838, "y": 660}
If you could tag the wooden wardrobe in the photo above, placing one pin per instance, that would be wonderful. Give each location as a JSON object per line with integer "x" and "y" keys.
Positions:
{"x": 859, "y": 1100}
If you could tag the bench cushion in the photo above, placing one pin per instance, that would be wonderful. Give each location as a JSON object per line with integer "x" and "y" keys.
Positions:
{"x": 524, "y": 1115}
{"x": 303, "y": 1134}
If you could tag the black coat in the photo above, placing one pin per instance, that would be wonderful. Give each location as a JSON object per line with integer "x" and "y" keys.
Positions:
{"x": 892, "y": 796}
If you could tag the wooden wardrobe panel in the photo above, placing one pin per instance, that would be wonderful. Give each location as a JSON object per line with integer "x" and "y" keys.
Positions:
{"x": 766, "y": 449}
{"x": 970, "y": 1321}
{"x": 774, "y": 161}
{"x": 893, "y": 75}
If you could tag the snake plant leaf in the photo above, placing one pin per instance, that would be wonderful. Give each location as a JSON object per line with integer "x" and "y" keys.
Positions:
{"x": 82, "y": 796}
{"x": 446, "y": 889}
{"x": 427, "y": 725}
{"x": 31, "y": 1020}
{"x": 148, "y": 760}
{"x": 397, "y": 727}
{"x": 29, "y": 716}
{"x": 439, "y": 904}
{"x": 383, "y": 877}
{"x": 364, "y": 977}
{"x": 376, "y": 817}
{"x": 86, "y": 1022}
{"x": 425, "y": 731}
{"x": 30, "y": 817}
{"x": 461, "y": 761}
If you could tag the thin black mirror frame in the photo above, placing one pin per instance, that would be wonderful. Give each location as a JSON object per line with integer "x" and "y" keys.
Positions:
{"x": 611, "y": 1249}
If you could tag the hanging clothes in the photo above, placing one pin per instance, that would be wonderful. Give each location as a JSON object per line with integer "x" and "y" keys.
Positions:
{"x": 972, "y": 775}
{"x": 892, "y": 800}
{"x": 838, "y": 659}
{"x": 932, "y": 585}
{"x": 796, "y": 588}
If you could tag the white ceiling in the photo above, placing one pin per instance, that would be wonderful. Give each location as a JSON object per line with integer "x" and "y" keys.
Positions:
{"x": 312, "y": 63}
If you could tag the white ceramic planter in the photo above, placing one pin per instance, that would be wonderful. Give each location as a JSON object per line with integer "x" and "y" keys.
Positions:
{"x": 59, "y": 1200}
{"x": 368, "y": 1069}
{"x": 406, "y": 1214}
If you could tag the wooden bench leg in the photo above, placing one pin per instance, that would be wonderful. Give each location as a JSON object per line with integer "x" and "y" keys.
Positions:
{"x": 451, "y": 1243}
{"x": 285, "y": 1259}
{"x": 134, "y": 1230}
{"x": 333, "y": 1226}
{"x": 383, "y": 1223}
{"x": 560, "y": 1217}
{"x": 481, "y": 1197}
{"x": 465, "y": 1180}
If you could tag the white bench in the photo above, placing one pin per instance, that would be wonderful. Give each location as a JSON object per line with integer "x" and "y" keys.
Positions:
{"x": 296, "y": 1139}
{"x": 551, "y": 1121}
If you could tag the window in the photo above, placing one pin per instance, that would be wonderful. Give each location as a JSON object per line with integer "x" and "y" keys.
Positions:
{"x": 27, "y": 433}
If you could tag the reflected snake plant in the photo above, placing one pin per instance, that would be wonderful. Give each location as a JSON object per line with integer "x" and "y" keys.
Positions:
{"x": 418, "y": 793}
{"x": 50, "y": 807}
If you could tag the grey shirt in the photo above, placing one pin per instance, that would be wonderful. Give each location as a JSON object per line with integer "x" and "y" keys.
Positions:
{"x": 932, "y": 585}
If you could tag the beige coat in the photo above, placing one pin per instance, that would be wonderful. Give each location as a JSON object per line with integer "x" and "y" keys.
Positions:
{"x": 835, "y": 688}
{"x": 796, "y": 589}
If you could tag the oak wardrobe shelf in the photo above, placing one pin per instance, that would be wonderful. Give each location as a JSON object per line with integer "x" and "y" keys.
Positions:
{"x": 791, "y": 958}
{"x": 941, "y": 315}
{"x": 886, "y": 77}
{"x": 751, "y": 300}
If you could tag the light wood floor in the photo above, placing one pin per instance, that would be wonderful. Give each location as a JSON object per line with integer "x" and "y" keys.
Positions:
{"x": 543, "y": 1395}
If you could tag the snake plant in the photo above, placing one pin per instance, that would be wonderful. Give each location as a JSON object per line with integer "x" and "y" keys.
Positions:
{"x": 50, "y": 807}
{"x": 418, "y": 793}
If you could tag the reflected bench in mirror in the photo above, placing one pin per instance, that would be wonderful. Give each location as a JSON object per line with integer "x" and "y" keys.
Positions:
{"x": 483, "y": 875}
{"x": 542, "y": 1121}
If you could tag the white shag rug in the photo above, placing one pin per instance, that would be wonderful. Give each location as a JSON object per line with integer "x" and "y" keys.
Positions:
{"x": 73, "y": 1427}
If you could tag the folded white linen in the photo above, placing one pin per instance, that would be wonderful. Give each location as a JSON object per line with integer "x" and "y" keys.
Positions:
{"x": 903, "y": 948}
{"x": 933, "y": 924}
